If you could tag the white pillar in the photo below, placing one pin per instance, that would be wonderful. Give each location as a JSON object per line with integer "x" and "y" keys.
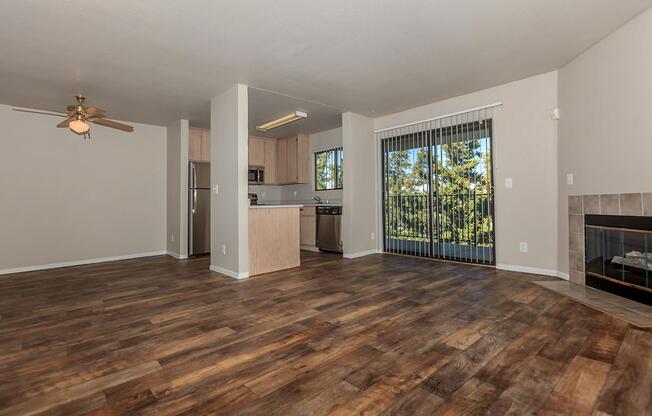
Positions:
{"x": 229, "y": 164}
{"x": 360, "y": 199}
{"x": 177, "y": 189}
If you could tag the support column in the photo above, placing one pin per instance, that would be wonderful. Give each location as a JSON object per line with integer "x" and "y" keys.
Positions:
{"x": 360, "y": 199}
{"x": 229, "y": 200}
{"x": 177, "y": 189}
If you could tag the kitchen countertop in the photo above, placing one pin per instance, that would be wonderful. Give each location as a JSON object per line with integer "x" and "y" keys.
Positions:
{"x": 299, "y": 203}
{"x": 260, "y": 206}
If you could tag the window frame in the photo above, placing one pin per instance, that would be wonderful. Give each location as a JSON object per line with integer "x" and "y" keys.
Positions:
{"x": 337, "y": 178}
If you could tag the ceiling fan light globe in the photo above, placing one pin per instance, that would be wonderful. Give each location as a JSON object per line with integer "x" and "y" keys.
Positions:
{"x": 79, "y": 126}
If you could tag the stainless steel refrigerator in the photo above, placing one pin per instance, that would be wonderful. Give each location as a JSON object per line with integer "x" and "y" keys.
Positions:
{"x": 199, "y": 208}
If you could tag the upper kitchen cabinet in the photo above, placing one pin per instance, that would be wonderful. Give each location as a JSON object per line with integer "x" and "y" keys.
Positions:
{"x": 293, "y": 159}
{"x": 199, "y": 145}
{"x": 282, "y": 161}
{"x": 206, "y": 145}
{"x": 270, "y": 162}
{"x": 256, "y": 151}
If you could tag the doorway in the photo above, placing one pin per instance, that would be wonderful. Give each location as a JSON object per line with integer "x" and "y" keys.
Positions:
{"x": 438, "y": 192}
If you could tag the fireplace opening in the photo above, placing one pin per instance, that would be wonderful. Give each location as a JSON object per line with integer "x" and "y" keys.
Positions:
{"x": 618, "y": 255}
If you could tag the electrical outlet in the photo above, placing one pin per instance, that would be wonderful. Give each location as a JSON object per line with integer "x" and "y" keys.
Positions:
{"x": 263, "y": 194}
{"x": 373, "y": 236}
{"x": 223, "y": 249}
{"x": 523, "y": 247}
{"x": 569, "y": 179}
{"x": 172, "y": 238}
{"x": 295, "y": 194}
{"x": 508, "y": 182}
{"x": 217, "y": 189}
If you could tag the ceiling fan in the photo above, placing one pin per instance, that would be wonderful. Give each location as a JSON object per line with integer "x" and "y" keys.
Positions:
{"x": 78, "y": 115}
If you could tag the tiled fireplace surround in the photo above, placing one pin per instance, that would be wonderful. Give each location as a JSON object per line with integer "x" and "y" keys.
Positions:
{"x": 638, "y": 204}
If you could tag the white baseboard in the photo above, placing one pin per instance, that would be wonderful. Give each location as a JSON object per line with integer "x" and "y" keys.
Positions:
{"x": 176, "y": 255}
{"x": 309, "y": 248}
{"x": 230, "y": 273}
{"x": 361, "y": 254}
{"x": 80, "y": 262}
{"x": 532, "y": 270}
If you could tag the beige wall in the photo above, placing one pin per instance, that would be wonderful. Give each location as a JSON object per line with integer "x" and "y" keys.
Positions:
{"x": 65, "y": 199}
{"x": 360, "y": 202}
{"x": 524, "y": 149}
{"x": 229, "y": 165}
{"x": 605, "y": 132}
{"x": 177, "y": 188}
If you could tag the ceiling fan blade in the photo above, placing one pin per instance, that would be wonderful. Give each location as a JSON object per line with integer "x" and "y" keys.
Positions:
{"x": 93, "y": 111}
{"x": 65, "y": 123}
{"x": 47, "y": 113}
{"x": 112, "y": 124}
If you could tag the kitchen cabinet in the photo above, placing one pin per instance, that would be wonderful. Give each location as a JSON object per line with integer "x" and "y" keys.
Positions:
{"x": 292, "y": 149}
{"x": 256, "y": 151}
{"x": 303, "y": 158}
{"x": 206, "y": 145}
{"x": 308, "y": 227}
{"x": 199, "y": 145}
{"x": 194, "y": 144}
{"x": 270, "y": 162}
{"x": 293, "y": 159}
{"x": 282, "y": 161}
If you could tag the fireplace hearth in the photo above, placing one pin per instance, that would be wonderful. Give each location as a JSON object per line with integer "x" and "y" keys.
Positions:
{"x": 618, "y": 255}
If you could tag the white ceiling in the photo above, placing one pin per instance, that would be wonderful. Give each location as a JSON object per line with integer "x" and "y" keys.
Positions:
{"x": 266, "y": 106}
{"x": 153, "y": 61}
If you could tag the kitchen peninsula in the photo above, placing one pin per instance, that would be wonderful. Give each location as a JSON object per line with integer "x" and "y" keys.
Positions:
{"x": 273, "y": 238}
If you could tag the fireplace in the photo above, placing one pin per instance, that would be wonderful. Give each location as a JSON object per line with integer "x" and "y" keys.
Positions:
{"x": 618, "y": 255}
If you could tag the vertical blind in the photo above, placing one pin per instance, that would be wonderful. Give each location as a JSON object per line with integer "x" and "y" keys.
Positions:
{"x": 438, "y": 194}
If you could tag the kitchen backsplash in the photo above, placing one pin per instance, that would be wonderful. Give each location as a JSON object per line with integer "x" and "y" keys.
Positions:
{"x": 287, "y": 193}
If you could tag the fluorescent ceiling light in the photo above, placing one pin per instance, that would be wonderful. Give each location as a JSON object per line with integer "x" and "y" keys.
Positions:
{"x": 297, "y": 115}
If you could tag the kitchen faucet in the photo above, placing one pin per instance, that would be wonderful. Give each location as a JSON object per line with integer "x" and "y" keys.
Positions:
{"x": 316, "y": 198}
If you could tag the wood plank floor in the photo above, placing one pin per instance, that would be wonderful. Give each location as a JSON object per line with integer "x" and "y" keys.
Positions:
{"x": 377, "y": 335}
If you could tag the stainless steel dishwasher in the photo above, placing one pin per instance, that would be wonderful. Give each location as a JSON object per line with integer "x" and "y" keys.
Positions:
{"x": 329, "y": 228}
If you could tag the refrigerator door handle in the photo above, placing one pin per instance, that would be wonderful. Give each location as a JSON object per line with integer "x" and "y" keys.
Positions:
{"x": 193, "y": 175}
{"x": 191, "y": 202}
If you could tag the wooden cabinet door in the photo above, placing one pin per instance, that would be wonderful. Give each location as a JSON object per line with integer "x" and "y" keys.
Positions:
{"x": 303, "y": 158}
{"x": 282, "y": 161}
{"x": 256, "y": 151}
{"x": 292, "y": 149}
{"x": 206, "y": 145}
{"x": 308, "y": 227}
{"x": 194, "y": 144}
{"x": 270, "y": 162}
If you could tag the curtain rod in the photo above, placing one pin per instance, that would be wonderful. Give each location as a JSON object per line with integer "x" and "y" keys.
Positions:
{"x": 497, "y": 104}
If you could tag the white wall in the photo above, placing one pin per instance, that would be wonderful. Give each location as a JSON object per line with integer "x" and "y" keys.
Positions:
{"x": 360, "y": 204}
{"x": 605, "y": 132}
{"x": 323, "y": 140}
{"x": 66, "y": 199}
{"x": 177, "y": 188}
{"x": 229, "y": 165}
{"x": 524, "y": 149}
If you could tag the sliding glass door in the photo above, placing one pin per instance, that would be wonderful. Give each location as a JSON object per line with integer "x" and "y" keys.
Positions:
{"x": 438, "y": 189}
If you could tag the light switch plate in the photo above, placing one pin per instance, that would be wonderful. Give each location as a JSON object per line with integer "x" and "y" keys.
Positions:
{"x": 569, "y": 179}
{"x": 523, "y": 247}
{"x": 508, "y": 182}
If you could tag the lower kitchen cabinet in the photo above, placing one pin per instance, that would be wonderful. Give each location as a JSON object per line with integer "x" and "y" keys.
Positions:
{"x": 308, "y": 227}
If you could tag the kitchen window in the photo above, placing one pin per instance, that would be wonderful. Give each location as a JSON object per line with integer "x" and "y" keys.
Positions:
{"x": 328, "y": 169}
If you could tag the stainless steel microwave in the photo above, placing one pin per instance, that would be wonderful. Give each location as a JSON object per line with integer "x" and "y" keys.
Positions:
{"x": 256, "y": 175}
